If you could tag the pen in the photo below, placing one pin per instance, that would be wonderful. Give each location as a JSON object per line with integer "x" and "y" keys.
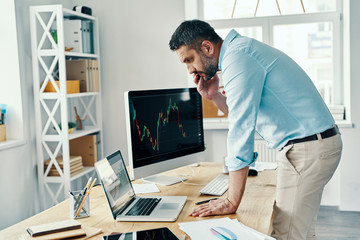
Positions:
{"x": 206, "y": 201}
{"x": 84, "y": 198}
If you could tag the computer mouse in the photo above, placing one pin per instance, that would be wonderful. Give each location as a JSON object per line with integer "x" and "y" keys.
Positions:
{"x": 224, "y": 232}
{"x": 252, "y": 172}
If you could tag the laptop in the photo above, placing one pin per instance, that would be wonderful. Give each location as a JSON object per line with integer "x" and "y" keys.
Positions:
{"x": 124, "y": 204}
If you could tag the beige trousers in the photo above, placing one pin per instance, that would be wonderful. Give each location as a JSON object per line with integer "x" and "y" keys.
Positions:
{"x": 303, "y": 171}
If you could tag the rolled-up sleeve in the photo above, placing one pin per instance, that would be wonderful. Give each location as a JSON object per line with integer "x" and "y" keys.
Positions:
{"x": 243, "y": 80}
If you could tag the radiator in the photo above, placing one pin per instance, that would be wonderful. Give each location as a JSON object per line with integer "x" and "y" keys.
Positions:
{"x": 265, "y": 154}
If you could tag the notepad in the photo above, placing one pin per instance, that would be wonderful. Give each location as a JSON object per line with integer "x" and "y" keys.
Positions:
{"x": 53, "y": 227}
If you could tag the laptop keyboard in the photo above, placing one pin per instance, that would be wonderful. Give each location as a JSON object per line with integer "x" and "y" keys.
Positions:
{"x": 143, "y": 207}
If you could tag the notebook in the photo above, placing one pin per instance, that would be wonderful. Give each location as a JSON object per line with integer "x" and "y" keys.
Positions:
{"x": 124, "y": 204}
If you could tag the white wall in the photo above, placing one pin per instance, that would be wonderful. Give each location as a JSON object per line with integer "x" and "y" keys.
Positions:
{"x": 350, "y": 165}
{"x": 134, "y": 37}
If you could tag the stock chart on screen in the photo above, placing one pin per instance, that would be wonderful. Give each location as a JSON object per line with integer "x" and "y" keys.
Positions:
{"x": 165, "y": 124}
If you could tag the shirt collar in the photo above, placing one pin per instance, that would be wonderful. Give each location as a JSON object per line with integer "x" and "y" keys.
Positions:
{"x": 231, "y": 35}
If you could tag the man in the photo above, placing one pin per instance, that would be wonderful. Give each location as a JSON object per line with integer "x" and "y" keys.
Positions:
{"x": 267, "y": 92}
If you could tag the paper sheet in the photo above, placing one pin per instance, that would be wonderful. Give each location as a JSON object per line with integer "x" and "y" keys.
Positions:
{"x": 261, "y": 166}
{"x": 199, "y": 230}
{"x": 145, "y": 188}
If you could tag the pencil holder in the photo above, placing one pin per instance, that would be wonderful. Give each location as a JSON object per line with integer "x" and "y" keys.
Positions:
{"x": 79, "y": 204}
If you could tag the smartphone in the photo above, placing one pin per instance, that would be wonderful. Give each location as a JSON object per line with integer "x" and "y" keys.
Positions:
{"x": 151, "y": 234}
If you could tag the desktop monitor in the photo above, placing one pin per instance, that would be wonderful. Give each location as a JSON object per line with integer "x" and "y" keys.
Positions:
{"x": 164, "y": 131}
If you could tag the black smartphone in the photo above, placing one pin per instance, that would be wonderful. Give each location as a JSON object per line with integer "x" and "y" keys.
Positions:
{"x": 151, "y": 234}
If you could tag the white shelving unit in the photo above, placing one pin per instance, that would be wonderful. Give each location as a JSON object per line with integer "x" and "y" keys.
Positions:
{"x": 49, "y": 62}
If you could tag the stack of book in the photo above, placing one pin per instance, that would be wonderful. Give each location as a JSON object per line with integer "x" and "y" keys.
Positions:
{"x": 76, "y": 165}
{"x": 85, "y": 70}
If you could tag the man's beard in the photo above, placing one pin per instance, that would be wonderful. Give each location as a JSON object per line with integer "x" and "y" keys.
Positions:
{"x": 210, "y": 66}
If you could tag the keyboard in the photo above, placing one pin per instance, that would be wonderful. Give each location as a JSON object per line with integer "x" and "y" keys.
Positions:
{"x": 217, "y": 186}
{"x": 143, "y": 207}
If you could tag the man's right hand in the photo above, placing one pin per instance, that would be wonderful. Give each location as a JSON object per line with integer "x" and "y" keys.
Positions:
{"x": 207, "y": 88}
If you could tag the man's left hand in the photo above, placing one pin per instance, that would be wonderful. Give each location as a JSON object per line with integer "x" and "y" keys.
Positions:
{"x": 214, "y": 207}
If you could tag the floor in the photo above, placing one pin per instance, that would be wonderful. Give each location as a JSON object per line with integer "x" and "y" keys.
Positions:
{"x": 333, "y": 224}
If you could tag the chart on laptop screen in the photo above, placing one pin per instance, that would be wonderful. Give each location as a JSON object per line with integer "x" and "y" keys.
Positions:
{"x": 164, "y": 123}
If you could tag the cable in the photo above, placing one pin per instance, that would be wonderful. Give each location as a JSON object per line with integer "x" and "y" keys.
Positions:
{"x": 189, "y": 175}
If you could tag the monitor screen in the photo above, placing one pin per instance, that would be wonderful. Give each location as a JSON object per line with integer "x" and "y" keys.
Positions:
{"x": 163, "y": 125}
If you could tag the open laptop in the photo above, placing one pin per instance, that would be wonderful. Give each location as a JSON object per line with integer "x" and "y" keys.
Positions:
{"x": 124, "y": 204}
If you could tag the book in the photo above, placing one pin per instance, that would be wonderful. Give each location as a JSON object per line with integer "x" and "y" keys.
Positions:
{"x": 73, "y": 36}
{"x": 84, "y": 33}
{"x": 86, "y": 147}
{"x": 53, "y": 227}
{"x": 95, "y": 75}
{"x": 79, "y": 69}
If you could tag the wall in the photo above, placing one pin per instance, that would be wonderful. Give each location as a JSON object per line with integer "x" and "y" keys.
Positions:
{"x": 350, "y": 166}
{"x": 134, "y": 55}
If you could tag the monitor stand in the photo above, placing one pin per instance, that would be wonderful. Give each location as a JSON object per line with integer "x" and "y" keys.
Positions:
{"x": 163, "y": 179}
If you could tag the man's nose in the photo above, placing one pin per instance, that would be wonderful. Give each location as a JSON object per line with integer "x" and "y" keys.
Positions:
{"x": 190, "y": 69}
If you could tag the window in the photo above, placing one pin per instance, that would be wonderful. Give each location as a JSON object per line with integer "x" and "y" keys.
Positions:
{"x": 10, "y": 90}
{"x": 309, "y": 31}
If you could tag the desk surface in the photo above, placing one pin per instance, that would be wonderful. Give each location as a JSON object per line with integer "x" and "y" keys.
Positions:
{"x": 255, "y": 210}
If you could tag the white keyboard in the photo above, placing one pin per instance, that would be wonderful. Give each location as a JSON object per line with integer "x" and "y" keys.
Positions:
{"x": 217, "y": 186}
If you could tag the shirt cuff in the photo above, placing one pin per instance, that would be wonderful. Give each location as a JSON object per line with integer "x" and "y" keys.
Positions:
{"x": 236, "y": 163}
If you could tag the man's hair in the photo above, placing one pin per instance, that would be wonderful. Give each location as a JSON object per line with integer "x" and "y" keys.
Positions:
{"x": 191, "y": 34}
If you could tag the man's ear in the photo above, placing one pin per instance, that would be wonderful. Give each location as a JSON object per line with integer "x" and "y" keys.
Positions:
{"x": 207, "y": 47}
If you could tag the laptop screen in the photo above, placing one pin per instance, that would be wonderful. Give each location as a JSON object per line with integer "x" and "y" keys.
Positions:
{"x": 115, "y": 181}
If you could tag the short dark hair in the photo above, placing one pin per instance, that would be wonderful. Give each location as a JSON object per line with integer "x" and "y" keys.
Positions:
{"x": 191, "y": 34}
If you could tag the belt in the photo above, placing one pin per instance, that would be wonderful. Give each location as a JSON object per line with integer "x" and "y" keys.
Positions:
{"x": 325, "y": 134}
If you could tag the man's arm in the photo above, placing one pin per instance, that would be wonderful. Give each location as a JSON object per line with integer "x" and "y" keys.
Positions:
{"x": 237, "y": 182}
{"x": 220, "y": 101}
{"x": 209, "y": 89}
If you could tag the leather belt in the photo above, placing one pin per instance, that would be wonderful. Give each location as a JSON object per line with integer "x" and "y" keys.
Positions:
{"x": 325, "y": 134}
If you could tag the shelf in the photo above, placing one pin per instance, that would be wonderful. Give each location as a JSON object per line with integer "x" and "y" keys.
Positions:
{"x": 54, "y": 52}
{"x": 75, "y": 134}
{"x": 215, "y": 123}
{"x": 52, "y": 108}
{"x": 11, "y": 143}
{"x": 58, "y": 179}
{"x": 79, "y": 133}
{"x": 81, "y": 55}
{"x": 70, "y": 14}
{"x": 84, "y": 94}
{"x": 54, "y": 95}
{"x": 85, "y": 171}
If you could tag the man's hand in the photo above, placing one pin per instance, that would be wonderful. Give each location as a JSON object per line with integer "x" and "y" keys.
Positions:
{"x": 214, "y": 207}
{"x": 207, "y": 88}
{"x": 237, "y": 182}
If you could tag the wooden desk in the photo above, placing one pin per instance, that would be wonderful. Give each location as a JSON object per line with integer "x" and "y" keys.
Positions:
{"x": 255, "y": 210}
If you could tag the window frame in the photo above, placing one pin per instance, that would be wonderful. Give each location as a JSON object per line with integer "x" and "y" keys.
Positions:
{"x": 194, "y": 9}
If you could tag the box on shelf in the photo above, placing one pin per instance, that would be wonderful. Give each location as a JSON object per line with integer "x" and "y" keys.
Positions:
{"x": 2, "y": 133}
{"x": 86, "y": 147}
{"x": 72, "y": 86}
{"x": 210, "y": 110}
{"x": 76, "y": 166}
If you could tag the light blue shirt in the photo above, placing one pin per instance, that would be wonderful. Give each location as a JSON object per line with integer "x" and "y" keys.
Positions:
{"x": 269, "y": 93}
